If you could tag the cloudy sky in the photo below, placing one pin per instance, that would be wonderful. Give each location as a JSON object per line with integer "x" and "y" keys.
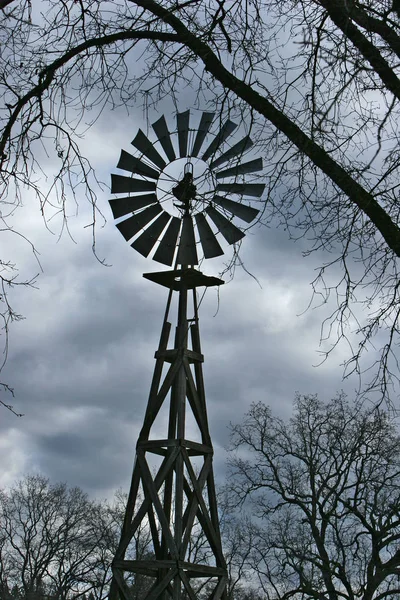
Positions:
{"x": 81, "y": 361}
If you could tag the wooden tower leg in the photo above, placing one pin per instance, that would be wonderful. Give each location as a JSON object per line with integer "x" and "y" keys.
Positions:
{"x": 174, "y": 501}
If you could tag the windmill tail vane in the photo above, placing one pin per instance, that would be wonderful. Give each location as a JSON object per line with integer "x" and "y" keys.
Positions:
{"x": 172, "y": 494}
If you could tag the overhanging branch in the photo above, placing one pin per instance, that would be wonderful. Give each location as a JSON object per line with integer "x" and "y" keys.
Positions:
{"x": 356, "y": 193}
{"x": 47, "y": 74}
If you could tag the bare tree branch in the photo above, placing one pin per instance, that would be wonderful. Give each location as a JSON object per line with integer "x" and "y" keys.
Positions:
{"x": 318, "y": 83}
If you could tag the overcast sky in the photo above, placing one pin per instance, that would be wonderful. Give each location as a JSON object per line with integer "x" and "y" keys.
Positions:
{"x": 81, "y": 362}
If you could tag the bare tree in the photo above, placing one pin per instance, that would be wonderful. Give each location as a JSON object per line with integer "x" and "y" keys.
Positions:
{"x": 53, "y": 541}
{"x": 238, "y": 541}
{"x": 317, "y": 81}
{"x": 324, "y": 489}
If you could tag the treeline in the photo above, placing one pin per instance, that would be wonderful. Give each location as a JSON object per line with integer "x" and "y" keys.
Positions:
{"x": 311, "y": 511}
{"x": 55, "y": 542}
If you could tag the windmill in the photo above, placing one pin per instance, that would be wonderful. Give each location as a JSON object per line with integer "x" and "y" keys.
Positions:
{"x": 181, "y": 194}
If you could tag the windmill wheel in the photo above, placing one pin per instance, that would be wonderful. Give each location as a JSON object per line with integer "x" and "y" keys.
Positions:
{"x": 196, "y": 185}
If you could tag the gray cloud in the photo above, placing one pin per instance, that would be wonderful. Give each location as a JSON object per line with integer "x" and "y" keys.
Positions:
{"x": 81, "y": 363}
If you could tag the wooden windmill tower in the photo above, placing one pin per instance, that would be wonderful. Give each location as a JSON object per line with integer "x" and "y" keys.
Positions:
{"x": 172, "y": 492}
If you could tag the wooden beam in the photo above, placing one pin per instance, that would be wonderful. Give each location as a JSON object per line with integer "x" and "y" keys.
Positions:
{"x": 194, "y": 448}
{"x": 198, "y": 370}
{"x": 195, "y": 404}
{"x": 220, "y": 590}
{"x": 170, "y": 355}
{"x": 185, "y": 580}
{"x": 156, "y": 401}
{"x": 123, "y": 588}
{"x": 193, "y": 503}
{"x": 148, "y": 483}
{"x": 162, "y": 585}
{"x": 212, "y": 534}
{"x": 166, "y": 466}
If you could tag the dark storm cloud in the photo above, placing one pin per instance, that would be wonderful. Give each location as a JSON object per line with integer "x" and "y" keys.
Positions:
{"x": 81, "y": 363}
{"x": 87, "y": 366}
{"x": 94, "y": 455}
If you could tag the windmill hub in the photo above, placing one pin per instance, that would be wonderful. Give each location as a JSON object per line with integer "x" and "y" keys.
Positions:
{"x": 182, "y": 190}
{"x": 185, "y": 191}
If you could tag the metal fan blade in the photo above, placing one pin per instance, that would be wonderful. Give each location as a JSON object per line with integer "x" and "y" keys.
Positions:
{"x": 246, "y": 213}
{"x": 143, "y": 144}
{"x": 204, "y": 127}
{"x": 182, "y": 120}
{"x": 238, "y": 148}
{"x": 131, "y": 226}
{"x": 246, "y": 189}
{"x": 166, "y": 249}
{"x": 146, "y": 240}
{"x": 161, "y": 130}
{"x": 250, "y": 167}
{"x": 209, "y": 242}
{"x": 187, "y": 254}
{"x": 121, "y": 184}
{"x": 225, "y": 131}
{"x": 129, "y": 204}
{"x": 230, "y": 232}
{"x": 127, "y": 162}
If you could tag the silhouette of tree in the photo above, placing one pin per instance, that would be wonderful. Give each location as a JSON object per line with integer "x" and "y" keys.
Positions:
{"x": 323, "y": 488}
{"x": 316, "y": 80}
{"x": 53, "y": 541}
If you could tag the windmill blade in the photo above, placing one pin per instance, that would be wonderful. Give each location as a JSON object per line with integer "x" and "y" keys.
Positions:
{"x": 209, "y": 242}
{"x": 182, "y": 120}
{"x": 166, "y": 249}
{"x": 246, "y": 213}
{"x": 161, "y": 130}
{"x": 245, "y": 189}
{"x": 230, "y": 232}
{"x": 250, "y": 167}
{"x": 131, "y": 226}
{"x": 143, "y": 144}
{"x": 127, "y": 162}
{"x": 238, "y": 148}
{"x": 225, "y": 131}
{"x": 204, "y": 127}
{"x": 129, "y": 204}
{"x": 121, "y": 184}
{"x": 187, "y": 254}
{"x": 146, "y": 240}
